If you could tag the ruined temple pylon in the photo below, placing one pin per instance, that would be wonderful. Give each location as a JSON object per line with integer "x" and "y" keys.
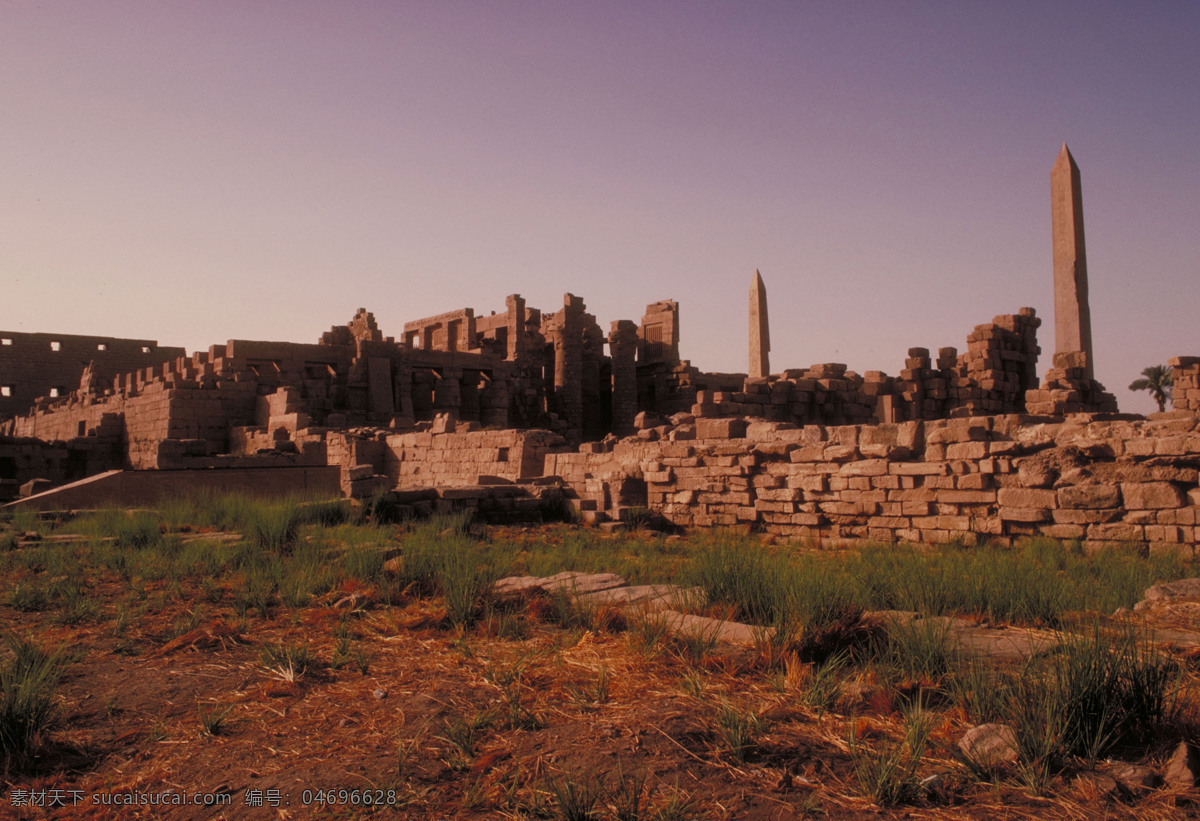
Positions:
{"x": 1072, "y": 318}
{"x": 760, "y": 334}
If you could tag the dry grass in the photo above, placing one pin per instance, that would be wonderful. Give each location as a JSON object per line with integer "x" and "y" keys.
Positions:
{"x": 524, "y": 713}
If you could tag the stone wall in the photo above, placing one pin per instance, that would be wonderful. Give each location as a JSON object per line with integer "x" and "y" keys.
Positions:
{"x": 24, "y": 458}
{"x": 136, "y": 425}
{"x": 146, "y": 487}
{"x": 1185, "y": 374}
{"x": 448, "y": 454}
{"x": 39, "y": 365}
{"x": 459, "y": 458}
{"x": 1100, "y": 480}
{"x": 993, "y": 376}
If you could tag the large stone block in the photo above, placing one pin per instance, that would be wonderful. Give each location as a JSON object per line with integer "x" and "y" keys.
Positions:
{"x": 1151, "y": 495}
{"x": 730, "y": 428}
{"x": 1027, "y": 498}
{"x": 967, "y": 497}
{"x": 1025, "y": 514}
{"x": 1089, "y": 496}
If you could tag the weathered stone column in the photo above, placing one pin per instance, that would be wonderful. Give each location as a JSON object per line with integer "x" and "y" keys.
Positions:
{"x": 516, "y": 326}
{"x": 1072, "y": 318}
{"x": 622, "y": 348}
{"x": 760, "y": 335}
{"x": 568, "y": 364}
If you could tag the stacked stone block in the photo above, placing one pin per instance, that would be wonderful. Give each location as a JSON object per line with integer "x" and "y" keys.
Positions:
{"x": 921, "y": 390}
{"x": 1067, "y": 388}
{"x": 999, "y": 366}
{"x": 460, "y": 457}
{"x": 826, "y": 393}
{"x": 1185, "y": 376}
{"x": 34, "y": 364}
{"x": 966, "y": 479}
{"x": 23, "y": 458}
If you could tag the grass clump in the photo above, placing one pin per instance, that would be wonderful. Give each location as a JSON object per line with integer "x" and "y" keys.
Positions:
{"x": 738, "y": 730}
{"x": 289, "y": 661}
{"x": 128, "y": 529}
{"x": 273, "y": 526}
{"x": 1095, "y": 692}
{"x": 808, "y": 604}
{"x": 577, "y": 796}
{"x": 28, "y": 597}
{"x": 915, "y": 658}
{"x": 27, "y": 683}
{"x": 823, "y": 684}
{"x": 440, "y": 556}
{"x": 888, "y": 772}
{"x": 214, "y": 721}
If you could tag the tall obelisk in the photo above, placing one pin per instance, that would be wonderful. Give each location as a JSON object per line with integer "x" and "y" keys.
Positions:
{"x": 760, "y": 334}
{"x": 1072, "y": 319}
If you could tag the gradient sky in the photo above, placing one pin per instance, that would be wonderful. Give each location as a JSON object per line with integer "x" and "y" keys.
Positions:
{"x": 193, "y": 172}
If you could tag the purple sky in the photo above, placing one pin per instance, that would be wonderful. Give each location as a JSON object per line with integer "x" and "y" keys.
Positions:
{"x": 194, "y": 172}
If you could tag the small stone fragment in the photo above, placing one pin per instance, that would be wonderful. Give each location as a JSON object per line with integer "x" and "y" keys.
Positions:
{"x": 990, "y": 745}
{"x": 1182, "y": 768}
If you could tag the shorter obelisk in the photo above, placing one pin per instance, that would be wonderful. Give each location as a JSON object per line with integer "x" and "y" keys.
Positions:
{"x": 760, "y": 334}
{"x": 1072, "y": 319}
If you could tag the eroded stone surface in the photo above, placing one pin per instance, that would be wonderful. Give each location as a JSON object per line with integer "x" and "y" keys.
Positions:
{"x": 990, "y": 745}
{"x": 1182, "y": 768}
{"x": 1173, "y": 591}
{"x": 515, "y": 587}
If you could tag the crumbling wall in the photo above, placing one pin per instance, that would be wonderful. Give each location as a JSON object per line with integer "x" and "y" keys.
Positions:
{"x": 141, "y": 411}
{"x": 445, "y": 454}
{"x": 25, "y": 458}
{"x": 51, "y": 365}
{"x": 1000, "y": 365}
{"x": 1101, "y": 481}
{"x": 1068, "y": 388}
{"x": 453, "y": 457}
{"x": 992, "y": 377}
{"x": 1185, "y": 376}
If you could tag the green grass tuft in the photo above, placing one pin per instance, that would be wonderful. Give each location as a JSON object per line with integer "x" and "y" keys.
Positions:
{"x": 27, "y": 683}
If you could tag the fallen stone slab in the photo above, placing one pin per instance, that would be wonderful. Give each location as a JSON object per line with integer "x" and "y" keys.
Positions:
{"x": 63, "y": 538}
{"x": 1175, "y": 638}
{"x": 1004, "y": 643}
{"x": 1001, "y": 643}
{"x": 716, "y": 630}
{"x": 648, "y": 596}
{"x": 220, "y": 537}
{"x": 1173, "y": 591}
{"x": 889, "y": 618}
{"x": 570, "y": 581}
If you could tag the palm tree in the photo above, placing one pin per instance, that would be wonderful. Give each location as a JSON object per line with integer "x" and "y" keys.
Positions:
{"x": 1156, "y": 379}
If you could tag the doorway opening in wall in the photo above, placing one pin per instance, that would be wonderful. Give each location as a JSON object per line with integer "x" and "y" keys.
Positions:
{"x": 633, "y": 493}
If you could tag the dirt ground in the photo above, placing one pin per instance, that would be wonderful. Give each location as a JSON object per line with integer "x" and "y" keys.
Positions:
{"x": 517, "y": 717}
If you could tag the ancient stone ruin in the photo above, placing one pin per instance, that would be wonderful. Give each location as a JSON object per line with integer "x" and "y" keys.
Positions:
{"x": 514, "y": 412}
